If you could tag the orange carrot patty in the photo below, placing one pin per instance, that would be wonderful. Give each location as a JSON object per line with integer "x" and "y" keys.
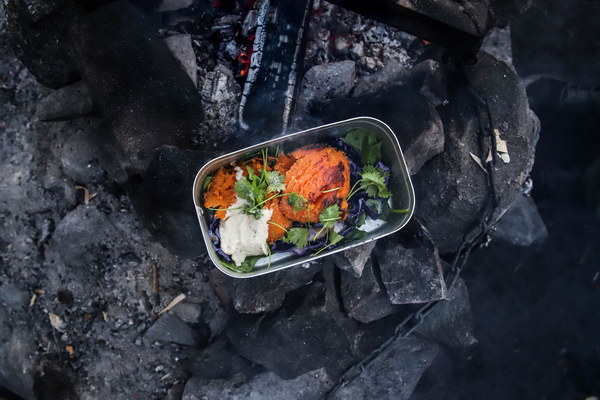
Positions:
{"x": 321, "y": 175}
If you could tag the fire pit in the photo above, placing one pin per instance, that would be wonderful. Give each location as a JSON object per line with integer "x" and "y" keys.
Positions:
{"x": 106, "y": 271}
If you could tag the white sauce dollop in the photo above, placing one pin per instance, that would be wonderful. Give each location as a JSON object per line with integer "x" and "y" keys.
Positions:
{"x": 243, "y": 235}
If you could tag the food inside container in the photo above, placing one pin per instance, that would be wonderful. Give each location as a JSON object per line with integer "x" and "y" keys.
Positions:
{"x": 290, "y": 201}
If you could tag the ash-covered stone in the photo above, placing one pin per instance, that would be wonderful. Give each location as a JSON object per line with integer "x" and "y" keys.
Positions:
{"x": 326, "y": 81}
{"x": 190, "y": 313}
{"x": 220, "y": 361}
{"x": 37, "y": 30}
{"x": 152, "y": 102}
{"x": 394, "y": 374}
{"x": 67, "y": 102}
{"x": 181, "y": 48}
{"x": 266, "y": 293}
{"x": 420, "y": 138}
{"x": 451, "y": 188}
{"x": 450, "y": 323}
{"x": 353, "y": 260}
{"x": 80, "y": 236}
{"x": 169, "y": 328}
{"x": 522, "y": 223}
{"x": 220, "y": 100}
{"x": 411, "y": 269}
{"x": 266, "y": 386}
{"x": 364, "y": 299}
{"x": 80, "y": 158}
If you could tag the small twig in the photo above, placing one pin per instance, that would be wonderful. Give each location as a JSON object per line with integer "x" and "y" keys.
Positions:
{"x": 155, "y": 285}
{"x": 172, "y": 304}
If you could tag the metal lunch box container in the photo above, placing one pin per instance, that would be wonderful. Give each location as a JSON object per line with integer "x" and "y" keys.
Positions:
{"x": 403, "y": 195}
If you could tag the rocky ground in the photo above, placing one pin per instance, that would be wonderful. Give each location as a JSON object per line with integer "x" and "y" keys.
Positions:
{"x": 106, "y": 290}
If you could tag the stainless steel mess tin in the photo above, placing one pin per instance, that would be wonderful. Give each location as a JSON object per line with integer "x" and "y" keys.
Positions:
{"x": 400, "y": 185}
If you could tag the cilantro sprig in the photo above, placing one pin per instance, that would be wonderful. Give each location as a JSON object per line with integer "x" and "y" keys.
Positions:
{"x": 259, "y": 188}
{"x": 372, "y": 181}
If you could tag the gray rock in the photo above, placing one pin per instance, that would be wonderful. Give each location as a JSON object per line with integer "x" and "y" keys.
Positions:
{"x": 80, "y": 234}
{"x": 16, "y": 366}
{"x": 326, "y": 81}
{"x": 181, "y": 48}
{"x": 450, "y": 323}
{"x": 67, "y": 102}
{"x": 364, "y": 299}
{"x": 393, "y": 73}
{"x": 169, "y": 328}
{"x": 219, "y": 361}
{"x": 522, "y": 224}
{"x": 12, "y": 297}
{"x": 80, "y": 156}
{"x": 266, "y": 386}
{"x": 498, "y": 43}
{"x": 149, "y": 104}
{"x": 310, "y": 333}
{"x": 394, "y": 374}
{"x": 173, "y": 5}
{"x": 410, "y": 266}
{"x": 220, "y": 100}
{"x": 188, "y": 312}
{"x": 411, "y": 114}
{"x": 353, "y": 260}
{"x": 267, "y": 292}
{"x": 452, "y": 189}
{"x": 36, "y": 31}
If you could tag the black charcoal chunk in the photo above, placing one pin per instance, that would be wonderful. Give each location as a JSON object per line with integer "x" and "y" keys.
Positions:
{"x": 394, "y": 374}
{"x": 410, "y": 266}
{"x": 151, "y": 102}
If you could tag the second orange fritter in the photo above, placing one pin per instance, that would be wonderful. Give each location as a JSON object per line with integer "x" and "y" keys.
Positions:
{"x": 320, "y": 174}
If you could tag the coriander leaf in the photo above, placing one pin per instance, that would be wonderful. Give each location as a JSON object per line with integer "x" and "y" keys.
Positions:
{"x": 297, "y": 202}
{"x": 334, "y": 238}
{"x": 329, "y": 215}
{"x": 246, "y": 190}
{"x": 373, "y": 182}
{"x": 375, "y": 205}
{"x": 356, "y": 234}
{"x": 274, "y": 181}
{"x": 366, "y": 143}
{"x": 247, "y": 265}
{"x": 361, "y": 219}
{"x": 297, "y": 236}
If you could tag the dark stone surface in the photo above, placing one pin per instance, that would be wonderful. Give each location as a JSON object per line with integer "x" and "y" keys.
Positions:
{"x": 266, "y": 293}
{"x": 451, "y": 188}
{"x": 220, "y": 361}
{"x": 170, "y": 176}
{"x": 394, "y": 374}
{"x": 565, "y": 34}
{"x": 67, "y": 102}
{"x": 364, "y": 299}
{"x": 326, "y": 81}
{"x": 522, "y": 224}
{"x": 80, "y": 236}
{"x": 37, "y": 31}
{"x": 169, "y": 328}
{"x": 502, "y": 11}
{"x": 450, "y": 323}
{"x": 150, "y": 102}
{"x": 266, "y": 386}
{"x": 353, "y": 260}
{"x": 308, "y": 332}
{"x": 409, "y": 113}
{"x": 410, "y": 266}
